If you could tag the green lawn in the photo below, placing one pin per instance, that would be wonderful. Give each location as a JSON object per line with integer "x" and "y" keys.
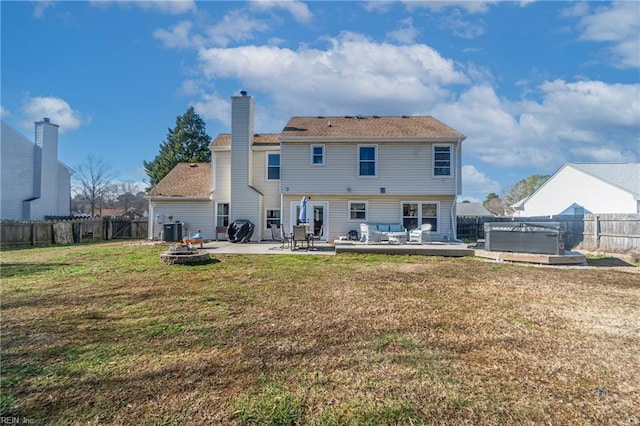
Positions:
{"x": 106, "y": 334}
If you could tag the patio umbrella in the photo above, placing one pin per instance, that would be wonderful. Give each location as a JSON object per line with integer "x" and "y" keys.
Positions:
{"x": 303, "y": 210}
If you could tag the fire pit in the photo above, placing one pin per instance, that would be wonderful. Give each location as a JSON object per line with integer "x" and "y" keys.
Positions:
{"x": 184, "y": 256}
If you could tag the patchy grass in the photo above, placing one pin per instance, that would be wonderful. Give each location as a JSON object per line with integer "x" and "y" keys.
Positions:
{"x": 106, "y": 334}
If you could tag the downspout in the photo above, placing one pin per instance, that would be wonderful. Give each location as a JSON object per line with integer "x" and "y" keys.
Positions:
{"x": 453, "y": 231}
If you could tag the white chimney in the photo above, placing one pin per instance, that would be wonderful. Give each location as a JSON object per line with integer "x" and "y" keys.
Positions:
{"x": 245, "y": 200}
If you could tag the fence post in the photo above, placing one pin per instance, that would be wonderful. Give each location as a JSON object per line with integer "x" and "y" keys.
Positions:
{"x": 597, "y": 230}
{"x": 33, "y": 234}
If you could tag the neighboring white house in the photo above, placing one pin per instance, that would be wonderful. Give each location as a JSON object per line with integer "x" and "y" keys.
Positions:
{"x": 34, "y": 184}
{"x": 586, "y": 188}
{"x": 351, "y": 170}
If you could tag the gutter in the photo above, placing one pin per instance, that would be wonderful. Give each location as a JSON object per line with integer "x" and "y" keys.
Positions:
{"x": 452, "y": 212}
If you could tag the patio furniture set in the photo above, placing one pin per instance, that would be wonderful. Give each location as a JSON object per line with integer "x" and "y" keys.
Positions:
{"x": 301, "y": 236}
{"x": 393, "y": 233}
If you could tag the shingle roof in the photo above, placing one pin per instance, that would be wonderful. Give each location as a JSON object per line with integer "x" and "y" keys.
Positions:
{"x": 471, "y": 209}
{"x": 224, "y": 139}
{"x": 369, "y": 126}
{"x": 622, "y": 175}
{"x": 185, "y": 180}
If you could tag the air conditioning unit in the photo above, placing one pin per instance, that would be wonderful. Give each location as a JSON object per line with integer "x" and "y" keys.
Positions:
{"x": 524, "y": 237}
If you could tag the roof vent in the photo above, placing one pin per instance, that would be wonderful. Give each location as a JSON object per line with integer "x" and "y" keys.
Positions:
{"x": 405, "y": 116}
{"x": 46, "y": 120}
{"x": 329, "y": 125}
{"x": 193, "y": 165}
{"x": 243, "y": 93}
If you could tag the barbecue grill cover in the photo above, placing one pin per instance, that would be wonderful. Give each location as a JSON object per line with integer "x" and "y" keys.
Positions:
{"x": 240, "y": 231}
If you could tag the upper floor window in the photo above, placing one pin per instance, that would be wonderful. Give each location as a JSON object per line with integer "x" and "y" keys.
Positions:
{"x": 317, "y": 155}
{"x": 273, "y": 166}
{"x": 367, "y": 158}
{"x": 442, "y": 160}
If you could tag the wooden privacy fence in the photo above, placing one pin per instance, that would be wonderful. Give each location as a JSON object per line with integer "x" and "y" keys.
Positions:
{"x": 69, "y": 231}
{"x": 613, "y": 232}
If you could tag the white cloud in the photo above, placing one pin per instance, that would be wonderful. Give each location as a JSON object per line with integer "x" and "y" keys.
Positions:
{"x": 213, "y": 107}
{"x": 40, "y": 8}
{"x": 56, "y": 109}
{"x": 379, "y": 6}
{"x": 169, "y": 7}
{"x": 235, "y": 26}
{"x": 476, "y": 184}
{"x": 618, "y": 26}
{"x": 461, "y": 27}
{"x": 4, "y": 112}
{"x": 172, "y": 7}
{"x": 581, "y": 121}
{"x": 297, "y": 9}
{"x": 178, "y": 37}
{"x": 353, "y": 75}
{"x": 467, "y": 6}
{"x": 405, "y": 34}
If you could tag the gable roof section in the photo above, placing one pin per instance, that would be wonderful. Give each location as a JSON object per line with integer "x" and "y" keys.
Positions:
{"x": 471, "y": 209}
{"x": 224, "y": 139}
{"x": 185, "y": 180}
{"x": 378, "y": 127}
{"x": 625, "y": 176}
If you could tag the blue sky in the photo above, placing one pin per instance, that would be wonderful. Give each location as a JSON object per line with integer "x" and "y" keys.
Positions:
{"x": 532, "y": 84}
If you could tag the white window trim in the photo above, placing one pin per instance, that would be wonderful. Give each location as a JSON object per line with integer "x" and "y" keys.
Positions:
{"x": 366, "y": 210}
{"x": 420, "y": 203}
{"x": 375, "y": 172}
{"x": 216, "y": 211}
{"x": 451, "y": 161}
{"x": 266, "y": 166}
{"x": 311, "y": 155}
{"x": 266, "y": 218}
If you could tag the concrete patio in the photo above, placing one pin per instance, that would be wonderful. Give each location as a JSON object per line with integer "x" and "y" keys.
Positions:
{"x": 323, "y": 248}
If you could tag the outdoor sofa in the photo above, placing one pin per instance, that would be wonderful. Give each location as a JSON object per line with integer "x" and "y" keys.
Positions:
{"x": 376, "y": 232}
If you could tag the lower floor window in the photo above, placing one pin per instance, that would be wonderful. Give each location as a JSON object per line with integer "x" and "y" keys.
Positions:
{"x": 223, "y": 215}
{"x": 273, "y": 218}
{"x": 358, "y": 210}
{"x": 419, "y": 213}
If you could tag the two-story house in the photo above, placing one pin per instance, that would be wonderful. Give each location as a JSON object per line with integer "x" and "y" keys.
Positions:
{"x": 34, "y": 184}
{"x": 350, "y": 169}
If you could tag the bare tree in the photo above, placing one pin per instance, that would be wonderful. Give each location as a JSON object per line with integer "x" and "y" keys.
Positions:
{"x": 93, "y": 181}
{"x": 127, "y": 195}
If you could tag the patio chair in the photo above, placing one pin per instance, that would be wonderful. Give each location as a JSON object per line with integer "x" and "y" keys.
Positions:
{"x": 421, "y": 234}
{"x": 299, "y": 236}
{"x": 313, "y": 237}
{"x": 220, "y": 230}
{"x": 277, "y": 234}
{"x": 368, "y": 235}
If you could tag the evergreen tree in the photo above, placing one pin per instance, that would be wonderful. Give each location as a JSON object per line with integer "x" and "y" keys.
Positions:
{"x": 523, "y": 189}
{"x": 186, "y": 143}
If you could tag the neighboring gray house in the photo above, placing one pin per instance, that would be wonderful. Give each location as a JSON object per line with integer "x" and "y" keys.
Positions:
{"x": 586, "y": 188}
{"x": 472, "y": 210}
{"x": 34, "y": 184}
{"x": 403, "y": 169}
